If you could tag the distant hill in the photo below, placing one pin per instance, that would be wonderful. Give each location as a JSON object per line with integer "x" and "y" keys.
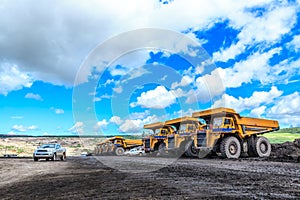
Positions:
{"x": 295, "y": 130}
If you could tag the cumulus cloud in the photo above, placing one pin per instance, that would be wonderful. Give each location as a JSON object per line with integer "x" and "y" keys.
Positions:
{"x": 77, "y": 128}
{"x": 102, "y": 124}
{"x": 158, "y": 98}
{"x": 287, "y": 110}
{"x": 116, "y": 120}
{"x": 277, "y": 20}
{"x": 64, "y": 32}
{"x": 186, "y": 80}
{"x": 256, "y": 67}
{"x": 295, "y": 43}
{"x": 254, "y": 101}
{"x": 207, "y": 88}
{"x": 136, "y": 125}
{"x": 12, "y": 78}
{"x": 33, "y": 96}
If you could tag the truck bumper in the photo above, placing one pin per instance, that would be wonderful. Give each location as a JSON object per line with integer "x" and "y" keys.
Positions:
{"x": 43, "y": 155}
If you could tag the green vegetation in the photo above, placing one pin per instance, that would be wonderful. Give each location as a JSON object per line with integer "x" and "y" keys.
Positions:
{"x": 289, "y": 130}
{"x": 279, "y": 137}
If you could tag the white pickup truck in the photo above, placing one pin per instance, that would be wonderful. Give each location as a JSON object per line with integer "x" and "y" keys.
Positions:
{"x": 50, "y": 151}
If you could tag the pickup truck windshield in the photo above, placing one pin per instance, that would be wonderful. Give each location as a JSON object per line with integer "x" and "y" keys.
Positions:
{"x": 48, "y": 146}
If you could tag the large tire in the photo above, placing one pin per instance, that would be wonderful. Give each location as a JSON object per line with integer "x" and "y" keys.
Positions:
{"x": 251, "y": 147}
{"x": 35, "y": 159}
{"x": 190, "y": 150}
{"x": 162, "y": 149}
{"x": 119, "y": 151}
{"x": 230, "y": 147}
{"x": 262, "y": 147}
{"x": 53, "y": 157}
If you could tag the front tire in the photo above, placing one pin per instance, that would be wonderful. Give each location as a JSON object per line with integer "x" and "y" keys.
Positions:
{"x": 54, "y": 157}
{"x": 119, "y": 151}
{"x": 162, "y": 149}
{"x": 190, "y": 150}
{"x": 262, "y": 147}
{"x": 230, "y": 147}
{"x": 35, "y": 159}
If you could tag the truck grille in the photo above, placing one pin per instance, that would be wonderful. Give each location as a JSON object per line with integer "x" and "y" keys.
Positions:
{"x": 42, "y": 150}
{"x": 201, "y": 139}
{"x": 147, "y": 143}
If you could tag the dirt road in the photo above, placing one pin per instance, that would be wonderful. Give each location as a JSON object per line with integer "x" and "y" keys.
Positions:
{"x": 88, "y": 178}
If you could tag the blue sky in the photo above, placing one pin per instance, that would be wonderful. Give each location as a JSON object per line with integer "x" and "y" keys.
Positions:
{"x": 99, "y": 67}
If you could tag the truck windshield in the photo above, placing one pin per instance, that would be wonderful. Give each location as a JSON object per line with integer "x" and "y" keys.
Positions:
{"x": 48, "y": 146}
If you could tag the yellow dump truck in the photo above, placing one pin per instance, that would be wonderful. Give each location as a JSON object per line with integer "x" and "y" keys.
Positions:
{"x": 156, "y": 142}
{"x": 116, "y": 145}
{"x": 174, "y": 135}
{"x": 230, "y": 134}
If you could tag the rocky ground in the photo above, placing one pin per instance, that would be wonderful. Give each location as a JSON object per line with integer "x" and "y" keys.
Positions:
{"x": 112, "y": 177}
{"x": 123, "y": 177}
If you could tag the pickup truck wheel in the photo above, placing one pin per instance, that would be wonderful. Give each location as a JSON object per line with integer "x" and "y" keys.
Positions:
{"x": 119, "y": 151}
{"x": 262, "y": 147}
{"x": 230, "y": 147}
{"x": 63, "y": 157}
{"x": 54, "y": 157}
{"x": 47, "y": 159}
{"x": 35, "y": 159}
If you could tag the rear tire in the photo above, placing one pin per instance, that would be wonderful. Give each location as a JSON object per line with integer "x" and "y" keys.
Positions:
{"x": 230, "y": 147}
{"x": 63, "y": 157}
{"x": 119, "y": 151}
{"x": 262, "y": 147}
{"x": 251, "y": 147}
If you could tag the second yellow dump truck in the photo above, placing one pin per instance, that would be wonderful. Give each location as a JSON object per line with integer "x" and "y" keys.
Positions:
{"x": 228, "y": 133}
{"x": 173, "y": 136}
{"x": 116, "y": 145}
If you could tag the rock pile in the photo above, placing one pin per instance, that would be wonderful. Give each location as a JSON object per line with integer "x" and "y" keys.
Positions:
{"x": 288, "y": 151}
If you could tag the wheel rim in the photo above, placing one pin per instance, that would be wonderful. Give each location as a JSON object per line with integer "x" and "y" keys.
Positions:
{"x": 263, "y": 147}
{"x": 232, "y": 148}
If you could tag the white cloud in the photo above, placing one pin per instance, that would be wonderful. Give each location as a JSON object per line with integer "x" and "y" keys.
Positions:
{"x": 258, "y": 112}
{"x": 116, "y": 120}
{"x": 104, "y": 96}
{"x": 59, "y": 111}
{"x": 21, "y": 128}
{"x": 158, "y": 98}
{"x": 295, "y": 43}
{"x": 186, "y": 80}
{"x": 207, "y": 87}
{"x": 256, "y": 100}
{"x": 118, "y": 89}
{"x": 12, "y": 78}
{"x": 33, "y": 96}
{"x": 256, "y": 67}
{"x": 269, "y": 28}
{"x": 65, "y": 32}
{"x": 287, "y": 110}
{"x": 77, "y": 128}
{"x": 136, "y": 125}
{"x": 102, "y": 124}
